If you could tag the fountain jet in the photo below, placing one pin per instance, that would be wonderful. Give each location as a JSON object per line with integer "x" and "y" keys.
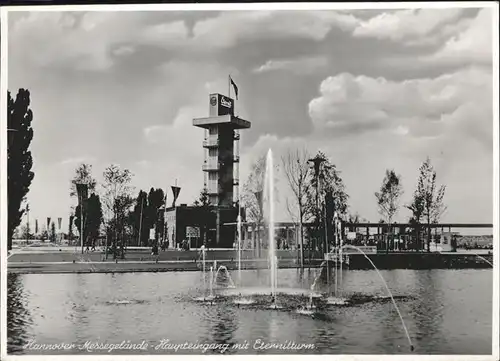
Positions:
{"x": 269, "y": 192}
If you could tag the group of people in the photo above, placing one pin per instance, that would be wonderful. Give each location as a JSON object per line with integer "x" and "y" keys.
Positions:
{"x": 163, "y": 246}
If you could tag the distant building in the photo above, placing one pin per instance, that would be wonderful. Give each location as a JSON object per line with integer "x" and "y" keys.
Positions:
{"x": 197, "y": 225}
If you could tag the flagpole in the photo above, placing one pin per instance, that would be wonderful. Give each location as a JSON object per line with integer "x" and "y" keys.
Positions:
{"x": 229, "y": 85}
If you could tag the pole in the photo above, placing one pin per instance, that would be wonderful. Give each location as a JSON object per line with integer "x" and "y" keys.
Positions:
{"x": 81, "y": 221}
{"x": 301, "y": 240}
{"x": 326, "y": 254}
{"x": 336, "y": 255}
{"x": 326, "y": 229}
{"x": 341, "y": 257}
{"x": 239, "y": 242}
{"x": 317, "y": 199}
{"x": 204, "y": 275}
{"x": 27, "y": 223}
{"x": 164, "y": 236}
{"x": 229, "y": 85}
{"x": 140, "y": 224}
{"x": 106, "y": 245}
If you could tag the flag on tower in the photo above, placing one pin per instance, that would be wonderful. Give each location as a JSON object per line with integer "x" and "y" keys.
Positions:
{"x": 234, "y": 86}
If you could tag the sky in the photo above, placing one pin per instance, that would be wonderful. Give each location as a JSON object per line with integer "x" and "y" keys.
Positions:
{"x": 372, "y": 89}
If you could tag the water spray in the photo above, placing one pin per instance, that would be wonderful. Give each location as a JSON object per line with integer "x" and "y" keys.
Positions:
{"x": 211, "y": 281}
{"x": 204, "y": 273}
{"x": 389, "y": 291}
{"x": 269, "y": 187}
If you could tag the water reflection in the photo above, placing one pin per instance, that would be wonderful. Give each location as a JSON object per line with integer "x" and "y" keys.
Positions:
{"x": 427, "y": 310}
{"x": 224, "y": 325}
{"x": 445, "y": 316}
{"x": 19, "y": 317}
{"x": 80, "y": 307}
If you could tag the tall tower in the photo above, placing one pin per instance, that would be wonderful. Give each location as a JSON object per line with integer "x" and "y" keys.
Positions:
{"x": 221, "y": 145}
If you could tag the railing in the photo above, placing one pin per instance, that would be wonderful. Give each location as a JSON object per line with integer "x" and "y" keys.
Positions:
{"x": 211, "y": 142}
{"x": 214, "y": 191}
{"x": 210, "y": 166}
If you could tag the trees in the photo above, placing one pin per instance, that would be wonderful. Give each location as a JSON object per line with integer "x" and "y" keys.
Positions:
{"x": 388, "y": 197}
{"x": 123, "y": 229}
{"x": 92, "y": 218}
{"x": 80, "y": 219}
{"x": 22, "y": 233}
{"x": 354, "y": 218}
{"x": 417, "y": 209}
{"x": 139, "y": 219}
{"x": 203, "y": 199}
{"x": 116, "y": 199}
{"x": 253, "y": 191}
{"x": 297, "y": 172}
{"x": 428, "y": 199}
{"x": 70, "y": 228}
{"x": 44, "y": 235}
{"x": 253, "y": 194}
{"x": 17, "y": 233}
{"x": 83, "y": 174}
{"x": 53, "y": 232}
{"x": 326, "y": 180}
{"x": 88, "y": 208}
{"x": 329, "y": 181}
{"x": 19, "y": 159}
{"x": 156, "y": 199}
{"x": 203, "y": 203}
{"x": 95, "y": 216}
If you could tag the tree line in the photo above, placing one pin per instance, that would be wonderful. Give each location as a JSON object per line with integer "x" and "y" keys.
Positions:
{"x": 114, "y": 212}
{"x": 426, "y": 205}
{"x": 318, "y": 192}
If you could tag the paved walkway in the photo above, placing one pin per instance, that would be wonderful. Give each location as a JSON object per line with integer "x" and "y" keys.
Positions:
{"x": 134, "y": 266}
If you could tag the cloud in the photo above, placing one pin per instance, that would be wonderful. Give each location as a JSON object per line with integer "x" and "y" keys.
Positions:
{"x": 423, "y": 107}
{"x": 168, "y": 34}
{"x": 124, "y": 51}
{"x": 93, "y": 40}
{"x": 404, "y": 25}
{"x": 144, "y": 163}
{"x": 174, "y": 153}
{"x": 231, "y": 27}
{"x": 79, "y": 40}
{"x": 76, "y": 160}
{"x": 298, "y": 66}
{"x": 472, "y": 45}
{"x": 168, "y": 135}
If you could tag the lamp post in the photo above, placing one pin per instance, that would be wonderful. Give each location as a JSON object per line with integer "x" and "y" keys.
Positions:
{"x": 82, "y": 190}
{"x": 27, "y": 223}
{"x": 316, "y": 164}
{"x": 164, "y": 229}
{"x": 140, "y": 224}
{"x": 258, "y": 196}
